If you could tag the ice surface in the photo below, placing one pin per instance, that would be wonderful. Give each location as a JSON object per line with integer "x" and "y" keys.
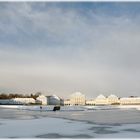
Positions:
{"x": 35, "y": 127}
{"x": 72, "y": 108}
{"x": 103, "y": 122}
{"x": 45, "y": 127}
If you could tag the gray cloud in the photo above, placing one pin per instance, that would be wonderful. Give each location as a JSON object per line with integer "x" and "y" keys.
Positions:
{"x": 57, "y": 51}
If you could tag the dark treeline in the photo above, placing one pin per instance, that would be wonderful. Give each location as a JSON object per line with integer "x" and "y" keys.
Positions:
{"x": 11, "y": 95}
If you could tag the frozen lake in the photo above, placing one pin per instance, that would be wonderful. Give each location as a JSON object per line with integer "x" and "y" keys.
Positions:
{"x": 99, "y": 123}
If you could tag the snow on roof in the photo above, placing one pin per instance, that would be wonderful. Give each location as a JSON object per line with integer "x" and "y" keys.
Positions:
{"x": 112, "y": 96}
{"x": 101, "y": 96}
{"x": 41, "y": 95}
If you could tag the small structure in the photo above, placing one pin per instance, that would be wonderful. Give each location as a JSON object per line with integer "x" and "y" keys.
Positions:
{"x": 77, "y": 98}
{"x": 101, "y": 100}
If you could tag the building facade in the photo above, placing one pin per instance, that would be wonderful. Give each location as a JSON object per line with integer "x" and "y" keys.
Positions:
{"x": 113, "y": 99}
{"x": 130, "y": 101}
{"x": 67, "y": 102}
{"x": 101, "y": 100}
{"x": 77, "y": 98}
{"x": 90, "y": 102}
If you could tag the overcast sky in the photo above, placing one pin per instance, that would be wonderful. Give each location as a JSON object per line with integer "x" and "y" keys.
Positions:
{"x": 59, "y": 48}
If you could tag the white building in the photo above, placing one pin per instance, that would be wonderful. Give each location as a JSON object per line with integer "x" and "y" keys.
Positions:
{"x": 42, "y": 99}
{"x": 101, "y": 100}
{"x": 77, "y": 98}
{"x": 130, "y": 101}
{"x": 23, "y": 100}
{"x": 113, "y": 99}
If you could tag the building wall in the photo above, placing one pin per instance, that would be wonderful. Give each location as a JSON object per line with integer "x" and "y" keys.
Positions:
{"x": 101, "y": 102}
{"x": 130, "y": 101}
{"x": 90, "y": 102}
{"x": 67, "y": 102}
{"x": 23, "y": 100}
{"x": 113, "y": 101}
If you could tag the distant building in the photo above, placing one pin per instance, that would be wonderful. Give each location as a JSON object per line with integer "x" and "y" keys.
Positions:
{"x": 23, "y": 100}
{"x": 130, "y": 101}
{"x": 90, "y": 102}
{"x": 67, "y": 102}
{"x": 50, "y": 100}
{"x": 42, "y": 99}
{"x": 113, "y": 99}
{"x": 101, "y": 100}
{"x": 77, "y": 98}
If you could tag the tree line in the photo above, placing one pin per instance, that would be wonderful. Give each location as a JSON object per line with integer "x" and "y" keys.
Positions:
{"x": 13, "y": 95}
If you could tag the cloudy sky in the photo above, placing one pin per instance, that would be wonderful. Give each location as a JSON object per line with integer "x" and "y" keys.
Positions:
{"x": 59, "y": 48}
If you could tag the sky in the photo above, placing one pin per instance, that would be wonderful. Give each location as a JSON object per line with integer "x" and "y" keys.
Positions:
{"x": 63, "y": 47}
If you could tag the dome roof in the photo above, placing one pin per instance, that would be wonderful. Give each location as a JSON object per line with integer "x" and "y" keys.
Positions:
{"x": 112, "y": 96}
{"x": 56, "y": 97}
{"x": 101, "y": 96}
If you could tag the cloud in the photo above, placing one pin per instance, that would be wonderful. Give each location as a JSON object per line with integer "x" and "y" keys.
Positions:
{"x": 47, "y": 47}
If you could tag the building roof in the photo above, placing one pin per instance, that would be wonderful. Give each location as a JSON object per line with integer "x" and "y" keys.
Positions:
{"x": 112, "y": 96}
{"x": 54, "y": 96}
{"x": 101, "y": 96}
{"x": 77, "y": 94}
